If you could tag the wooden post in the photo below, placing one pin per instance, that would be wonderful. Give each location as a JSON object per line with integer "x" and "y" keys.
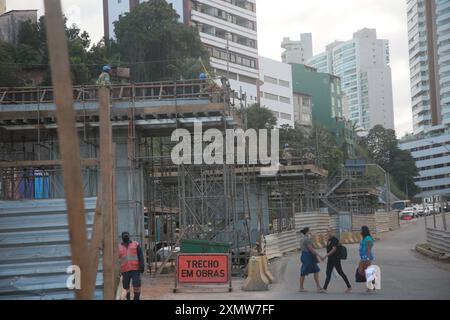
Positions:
{"x": 115, "y": 218}
{"x": 106, "y": 194}
{"x": 68, "y": 139}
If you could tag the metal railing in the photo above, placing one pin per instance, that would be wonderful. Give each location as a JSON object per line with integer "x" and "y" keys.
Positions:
{"x": 174, "y": 90}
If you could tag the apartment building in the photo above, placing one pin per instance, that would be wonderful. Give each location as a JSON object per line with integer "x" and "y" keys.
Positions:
{"x": 362, "y": 63}
{"x": 276, "y": 90}
{"x": 429, "y": 53}
{"x": 297, "y": 51}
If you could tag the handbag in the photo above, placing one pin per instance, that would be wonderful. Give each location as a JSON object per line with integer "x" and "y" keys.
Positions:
{"x": 360, "y": 275}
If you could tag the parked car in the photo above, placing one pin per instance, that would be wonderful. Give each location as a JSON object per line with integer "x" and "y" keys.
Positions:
{"x": 420, "y": 210}
{"x": 407, "y": 214}
{"x": 163, "y": 253}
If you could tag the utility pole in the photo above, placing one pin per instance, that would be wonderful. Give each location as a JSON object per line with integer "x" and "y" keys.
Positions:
{"x": 406, "y": 187}
{"x": 444, "y": 220}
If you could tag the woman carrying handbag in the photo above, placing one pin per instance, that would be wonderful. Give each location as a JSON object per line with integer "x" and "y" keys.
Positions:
{"x": 365, "y": 254}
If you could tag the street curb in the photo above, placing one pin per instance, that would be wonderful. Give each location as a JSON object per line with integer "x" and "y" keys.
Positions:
{"x": 427, "y": 251}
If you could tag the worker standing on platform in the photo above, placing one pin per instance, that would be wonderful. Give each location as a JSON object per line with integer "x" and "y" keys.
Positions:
{"x": 104, "y": 79}
{"x": 131, "y": 265}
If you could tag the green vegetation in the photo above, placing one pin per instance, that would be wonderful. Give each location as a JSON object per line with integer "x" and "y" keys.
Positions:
{"x": 383, "y": 147}
{"x": 150, "y": 41}
{"x": 163, "y": 47}
{"x": 260, "y": 118}
{"x": 318, "y": 142}
{"x": 380, "y": 146}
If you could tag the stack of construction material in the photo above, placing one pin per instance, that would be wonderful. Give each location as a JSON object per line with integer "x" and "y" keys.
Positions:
{"x": 334, "y": 223}
{"x": 394, "y": 220}
{"x": 383, "y": 220}
{"x": 318, "y": 223}
{"x": 359, "y": 220}
{"x": 279, "y": 244}
{"x": 35, "y": 249}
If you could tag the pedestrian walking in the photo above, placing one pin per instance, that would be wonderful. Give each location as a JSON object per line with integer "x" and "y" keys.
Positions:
{"x": 309, "y": 259}
{"x": 131, "y": 265}
{"x": 365, "y": 254}
{"x": 334, "y": 260}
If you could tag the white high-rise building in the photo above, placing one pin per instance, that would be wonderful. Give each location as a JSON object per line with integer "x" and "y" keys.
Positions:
{"x": 228, "y": 29}
{"x": 297, "y": 51}
{"x": 429, "y": 53}
{"x": 363, "y": 66}
{"x": 276, "y": 89}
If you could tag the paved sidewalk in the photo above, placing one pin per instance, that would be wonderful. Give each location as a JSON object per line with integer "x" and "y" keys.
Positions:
{"x": 406, "y": 274}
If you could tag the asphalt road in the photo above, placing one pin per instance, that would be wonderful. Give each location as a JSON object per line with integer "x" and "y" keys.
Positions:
{"x": 405, "y": 273}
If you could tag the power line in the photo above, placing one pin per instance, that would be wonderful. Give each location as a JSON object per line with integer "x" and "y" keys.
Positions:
{"x": 89, "y": 64}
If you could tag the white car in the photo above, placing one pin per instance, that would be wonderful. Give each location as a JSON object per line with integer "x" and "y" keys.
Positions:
{"x": 420, "y": 211}
{"x": 407, "y": 214}
{"x": 163, "y": 253}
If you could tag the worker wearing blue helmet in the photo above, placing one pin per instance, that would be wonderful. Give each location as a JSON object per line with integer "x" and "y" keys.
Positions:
{"x": 104, "y": 79}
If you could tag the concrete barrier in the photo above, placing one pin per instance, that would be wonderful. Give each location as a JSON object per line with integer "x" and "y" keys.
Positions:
{"x": 324, "y": 240}
{"x": 346, "y": 238}
{"x": 256, "y": 279}
{"x": 267, "y": 273}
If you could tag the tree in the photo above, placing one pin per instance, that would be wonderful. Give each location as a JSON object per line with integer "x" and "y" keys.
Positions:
{"x": 157, "y": 45}
{"x": 260, "y": 118}
{"x": 403, "y": 169}
{"x": 381, "y": 143}
{"x": 318, "y": 142}
{"x": 329, "y": 154}
{"x": 9, "y": 70}
{"x": 296, "y": 138}
{"x": 383, "y": 148}
{"x": 32, "y": 51}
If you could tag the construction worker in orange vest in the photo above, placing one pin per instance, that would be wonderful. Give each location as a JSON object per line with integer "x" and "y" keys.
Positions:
{"x": 131, "y": 265}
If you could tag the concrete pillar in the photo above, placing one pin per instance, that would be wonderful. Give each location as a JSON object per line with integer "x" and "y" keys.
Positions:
{"x": 130, "y": 195}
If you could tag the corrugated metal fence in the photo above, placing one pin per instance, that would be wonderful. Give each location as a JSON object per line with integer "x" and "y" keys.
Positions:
{"x": 35, "y": 249}
{"x": 439, "y": 240}
{"x": 279, "y": 244}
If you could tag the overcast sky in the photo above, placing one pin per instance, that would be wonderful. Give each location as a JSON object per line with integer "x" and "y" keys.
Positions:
{"x": 327, "y": 20}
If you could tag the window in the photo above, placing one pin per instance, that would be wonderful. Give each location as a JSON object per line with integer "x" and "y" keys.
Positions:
{"x": 247, "y": 79}
{"x": 285, "y": 100}
{"x": 233, "y": 57}
{"x": 270, "y": 80}
{"x": 270, "y": 96}
{"x": 286, "y": 84}
{"x": 285, "y": 116}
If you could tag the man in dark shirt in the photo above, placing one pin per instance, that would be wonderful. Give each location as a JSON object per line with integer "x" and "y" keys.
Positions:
{"x": 334, "y": 261}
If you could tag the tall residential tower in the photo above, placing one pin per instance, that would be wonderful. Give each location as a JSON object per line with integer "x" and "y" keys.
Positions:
{"x": 297, "y": 51}
{"x": 429, "y": 53}
{"x": 363, "y": 66}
